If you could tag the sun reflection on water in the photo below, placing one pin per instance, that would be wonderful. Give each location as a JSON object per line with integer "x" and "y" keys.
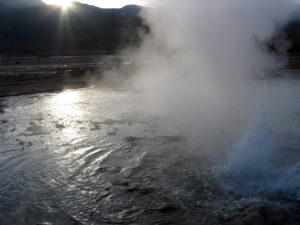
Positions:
{"x": 67, "y": 97}
{"x": 66, "y": 110}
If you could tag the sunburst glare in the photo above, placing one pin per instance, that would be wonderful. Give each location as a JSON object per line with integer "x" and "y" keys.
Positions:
{"x": 98, "y": 3}
{"x": 62, "y": 3}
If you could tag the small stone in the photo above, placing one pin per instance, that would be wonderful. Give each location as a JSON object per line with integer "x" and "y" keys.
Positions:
{"x": 166, "y": 207}
{"x": 102, "y": 169}
{"x": 253, "y": 219}
{"x": 259, "y": 214}
{"x": 133, "y": 188}
{"x": 113, "y": 170}
{"x": 146, "y": 190}
{"x": 274, "y": 215}
{"x": 131, "y": 139}
{"x": 140, "y": 189}
{"x": 120, "y": 182}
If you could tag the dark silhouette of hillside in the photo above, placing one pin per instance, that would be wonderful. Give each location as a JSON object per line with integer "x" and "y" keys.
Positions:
{"x": 21, "y": 3}
{"x": 45, "y": 28}
{"x": 293, "y": 35}
{"x": 30, "y": 26}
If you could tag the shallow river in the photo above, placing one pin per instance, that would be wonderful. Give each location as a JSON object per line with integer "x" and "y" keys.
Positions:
{"x": 95, "y": 156}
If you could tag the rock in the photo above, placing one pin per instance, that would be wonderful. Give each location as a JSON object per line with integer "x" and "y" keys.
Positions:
{"x": 113, "y": 170}
{"x": 166, "y": 207}
{"x": 253, "y": 219}
{"x": 138, "y": 188}
{"x": 258, "y": 214}
{"x": 120, "y": 182}
{"x": 132, "y": 139}
{"x": 273, "y": 215}
{"x": 96, "y": 126}
{"x": 59, "y": 126}
{"x": 112, "y": 132}
{"x": 146, "y": 190}
{"x": 133, "y": 188}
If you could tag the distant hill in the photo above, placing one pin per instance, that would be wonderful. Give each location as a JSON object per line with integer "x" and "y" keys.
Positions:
{"x": 45, "y": 28}
{"x": 293, "y": 31}
{"x": 128, "y": 10}
{"x": 296, "y": 14}
{"x": 30, "y": 26}
{"x": 21, "y": 3}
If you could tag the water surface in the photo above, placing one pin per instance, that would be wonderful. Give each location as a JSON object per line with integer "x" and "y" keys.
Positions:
{"x": 95, "y": 156}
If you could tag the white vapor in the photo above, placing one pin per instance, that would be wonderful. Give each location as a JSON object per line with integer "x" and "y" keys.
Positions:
{"x": 204, "y": 66}
{"x": 200, "y": 63}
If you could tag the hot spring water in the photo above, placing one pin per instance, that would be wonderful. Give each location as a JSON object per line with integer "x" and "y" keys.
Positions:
{"x": 98, "y": 157}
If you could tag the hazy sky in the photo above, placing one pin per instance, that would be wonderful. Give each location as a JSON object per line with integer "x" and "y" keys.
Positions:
{"x": 103, "y": 3}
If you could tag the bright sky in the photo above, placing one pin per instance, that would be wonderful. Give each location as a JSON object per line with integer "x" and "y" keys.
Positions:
{"x": 100, "y": 3}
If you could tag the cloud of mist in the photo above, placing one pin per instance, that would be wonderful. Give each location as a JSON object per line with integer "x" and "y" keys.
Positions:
{"x": 201, "y": 63}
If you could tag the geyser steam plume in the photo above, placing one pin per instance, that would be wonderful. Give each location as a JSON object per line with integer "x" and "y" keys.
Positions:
{"x": 202, "y": 63}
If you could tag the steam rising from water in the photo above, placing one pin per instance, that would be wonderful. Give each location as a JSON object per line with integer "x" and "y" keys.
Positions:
{"x": 201, "y": 66}
{"x": 202, "y": 58}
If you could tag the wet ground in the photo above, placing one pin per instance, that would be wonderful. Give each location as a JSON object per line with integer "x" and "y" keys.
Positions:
{"x": 27, "y": 75}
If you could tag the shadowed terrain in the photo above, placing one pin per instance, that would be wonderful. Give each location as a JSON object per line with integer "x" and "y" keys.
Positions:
{"x": 45, "y": 28}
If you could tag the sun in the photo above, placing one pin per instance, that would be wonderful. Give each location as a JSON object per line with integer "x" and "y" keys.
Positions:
{"x": 65, "y": 4}
{"x": 62, "y": 3}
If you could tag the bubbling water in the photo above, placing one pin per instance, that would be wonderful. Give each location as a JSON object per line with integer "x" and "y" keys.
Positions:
{"x": 249, "y": 168}
{"x": 200, "y": 66}
{"x": 249, "y": 161}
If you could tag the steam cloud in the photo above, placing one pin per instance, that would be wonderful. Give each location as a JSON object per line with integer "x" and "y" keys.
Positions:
{"x": 203, "y": 65}
{"x": 201, "y": 61}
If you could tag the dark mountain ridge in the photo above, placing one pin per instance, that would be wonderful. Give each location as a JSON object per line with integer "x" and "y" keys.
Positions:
{"x": 31, "y": 26}
{"x": 21, "y": 3}
{"x": 46, "y": 28}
